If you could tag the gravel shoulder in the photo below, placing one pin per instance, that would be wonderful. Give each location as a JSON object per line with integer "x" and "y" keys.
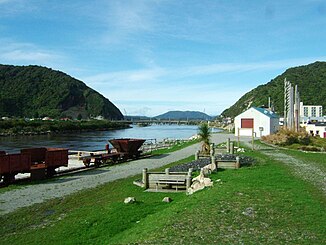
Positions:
{"x": 309, "y": 171}
{"x": 62, "y": 186}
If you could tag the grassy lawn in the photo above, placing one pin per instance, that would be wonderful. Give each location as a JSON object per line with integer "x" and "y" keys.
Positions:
{"x": 176, "y": 147}
{"x": 262, "y": 204}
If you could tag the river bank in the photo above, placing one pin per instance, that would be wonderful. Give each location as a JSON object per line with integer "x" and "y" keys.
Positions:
{"x": 21, "y": 127}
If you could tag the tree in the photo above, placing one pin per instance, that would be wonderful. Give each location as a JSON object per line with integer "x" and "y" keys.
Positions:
{"x": 205, "y": 135}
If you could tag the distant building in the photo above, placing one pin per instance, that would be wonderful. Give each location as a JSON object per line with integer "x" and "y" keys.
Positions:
{"x": 99, "y": 118}
{"x": 316, "y": 129}
{"x": 259, "y": 121}
{"x": 310, "y": 113}
{"x": 311, "y": 110}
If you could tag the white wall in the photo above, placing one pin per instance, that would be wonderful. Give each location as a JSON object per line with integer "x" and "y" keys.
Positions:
{"x": 314, "y": 129}
{"x": 269, "y": 125}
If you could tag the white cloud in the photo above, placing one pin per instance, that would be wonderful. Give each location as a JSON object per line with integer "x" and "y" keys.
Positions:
{"x": 36, "y": 56}
{"x": 167, "y": 74}
{"x": 27, "y": 53}
{"x": 141, "y": 77}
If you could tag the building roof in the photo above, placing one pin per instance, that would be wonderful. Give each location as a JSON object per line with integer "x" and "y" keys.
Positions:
{"x": 323, "y": 124}
{"x": 270, "y": 114}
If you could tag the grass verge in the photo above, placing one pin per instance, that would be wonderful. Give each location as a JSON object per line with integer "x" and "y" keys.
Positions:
{"x": 261, "y": 204}
{"x": 178, "y": 146}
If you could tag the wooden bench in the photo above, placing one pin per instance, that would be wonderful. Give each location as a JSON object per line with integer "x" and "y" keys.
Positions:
{"x": 172, "y": 181}
{"x": 166, "y": 180}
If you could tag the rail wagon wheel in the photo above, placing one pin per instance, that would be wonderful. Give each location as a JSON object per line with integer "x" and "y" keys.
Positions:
{"x": 87, "y": 162}
{"x": 97, "y": 163}
{"x": 50, "y": 172}
{"x": 8, "y": 178}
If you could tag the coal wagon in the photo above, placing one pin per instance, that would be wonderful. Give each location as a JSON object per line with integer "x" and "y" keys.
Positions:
{"x": 40, "y": 162}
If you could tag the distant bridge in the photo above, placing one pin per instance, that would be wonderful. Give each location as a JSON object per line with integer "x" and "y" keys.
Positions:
{"x": 165, "y": 121}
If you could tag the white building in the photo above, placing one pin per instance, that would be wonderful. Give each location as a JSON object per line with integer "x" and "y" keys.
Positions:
{"x": 310, "y": 113}
{"x": 316, "y": 129}
{"x": 256, "y": 120}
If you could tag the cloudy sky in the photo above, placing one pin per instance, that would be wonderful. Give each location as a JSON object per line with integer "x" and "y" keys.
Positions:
{"x": 152, "y": 56}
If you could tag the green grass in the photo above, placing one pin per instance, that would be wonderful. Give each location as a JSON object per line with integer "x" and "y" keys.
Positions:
{"x": 285, "y": 210}
{"x": 176, "y": 147}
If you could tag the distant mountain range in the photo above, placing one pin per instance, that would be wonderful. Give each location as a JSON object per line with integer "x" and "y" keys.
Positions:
{"x": 311, "y": 81}
{"x": 35, "y": 91}
{"x": 184, "y": 115}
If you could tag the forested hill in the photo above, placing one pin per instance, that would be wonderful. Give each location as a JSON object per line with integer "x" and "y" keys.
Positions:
{"x": 311, "y": 81}
{"x": 184, "y": 115}
{"x": 35, "y": 91}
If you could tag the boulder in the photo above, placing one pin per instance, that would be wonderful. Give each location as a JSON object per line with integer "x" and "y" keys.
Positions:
{"x": 199, "y": 183}
{"x": 129, "y": 200}
{"x": 167, "y": 199}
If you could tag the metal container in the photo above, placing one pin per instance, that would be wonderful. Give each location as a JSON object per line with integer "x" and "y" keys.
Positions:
{"x": 129, "y": 146}
{"x": 56, "y": 157}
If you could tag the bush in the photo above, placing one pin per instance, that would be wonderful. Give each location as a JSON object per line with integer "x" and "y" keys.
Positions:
{"x": 310, "y": 148}
{"x": 286, "y": 137}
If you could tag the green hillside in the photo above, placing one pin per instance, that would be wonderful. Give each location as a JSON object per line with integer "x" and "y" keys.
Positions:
{"x": 184, "y": 115}
{"x": 35, "y": 91}
{"x": 311, "y": 81}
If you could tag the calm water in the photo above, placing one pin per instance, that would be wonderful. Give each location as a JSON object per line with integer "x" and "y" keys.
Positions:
{"x": 96, "y": 140}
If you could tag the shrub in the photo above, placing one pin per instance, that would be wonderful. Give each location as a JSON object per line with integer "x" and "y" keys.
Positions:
{"x": 285, "y": 137}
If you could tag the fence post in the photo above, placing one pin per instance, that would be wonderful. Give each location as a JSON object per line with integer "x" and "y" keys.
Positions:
{"x": 188, "y": 179}
{"x": 237, "y": 164}
{"x": 145, "y": 178}
{"x": 253, "y": 133}
{"x": 238, "y": 137}
{"x": 231, "y": 148}
{"x": 213, "y": 162}
{"x": 197, "y": 155}
{"x": 167, "y": 171}
{"x": 228, "y": 146}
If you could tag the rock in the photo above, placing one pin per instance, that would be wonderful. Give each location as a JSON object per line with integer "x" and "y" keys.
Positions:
{"x": 167, "y": 199}
{"x": 129, "y": 200}
{"x": 249, "y": 212}
{"x": 199, "y": 183}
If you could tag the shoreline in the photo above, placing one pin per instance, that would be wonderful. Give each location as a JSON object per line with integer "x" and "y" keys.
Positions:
{"x": 49, "y": 132}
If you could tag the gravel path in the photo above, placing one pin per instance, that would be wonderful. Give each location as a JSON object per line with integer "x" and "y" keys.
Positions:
{"x": 62, "y": 186}
{"x": 308, "y": 171}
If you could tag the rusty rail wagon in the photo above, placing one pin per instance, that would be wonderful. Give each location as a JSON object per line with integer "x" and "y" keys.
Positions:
{"x": 40, "y": 162}
{"x": 129, "y": 148}
{"x": 124, "y": 149}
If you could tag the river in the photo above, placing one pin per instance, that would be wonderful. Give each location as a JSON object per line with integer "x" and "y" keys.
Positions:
{"x": 97, "y": 140}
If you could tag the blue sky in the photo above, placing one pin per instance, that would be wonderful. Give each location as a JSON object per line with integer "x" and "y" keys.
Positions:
{"x": 152, "y": 56}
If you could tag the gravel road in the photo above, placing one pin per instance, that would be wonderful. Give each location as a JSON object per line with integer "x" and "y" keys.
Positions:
{"x": 62, "y": 186}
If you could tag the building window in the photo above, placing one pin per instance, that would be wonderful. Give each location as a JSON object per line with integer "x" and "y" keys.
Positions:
{"x": 305, "y": 111}
{"x": 320, "y": 111}
{"x": 313, "y": 111}
{"x": 317, "y": 132}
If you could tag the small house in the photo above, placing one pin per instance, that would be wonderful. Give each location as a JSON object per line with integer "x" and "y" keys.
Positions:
{"x": 316, "y": 129}
{"x": 256, "y": 121}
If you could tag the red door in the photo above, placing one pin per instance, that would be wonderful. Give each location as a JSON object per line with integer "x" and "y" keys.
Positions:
{"x": 247, "y": 123}
{"x": 325, "y": 135}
